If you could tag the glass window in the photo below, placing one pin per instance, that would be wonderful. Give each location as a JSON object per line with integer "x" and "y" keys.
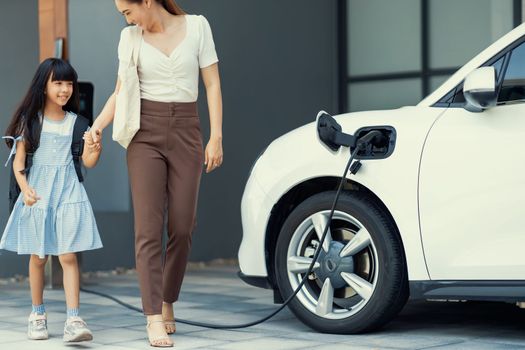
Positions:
{"x": 384, "y": 94}
{"x": 461, "y": 29}
{"x": 513, "y": 88}
{"x": 437, "y": 80}
{"x": 455, "y": 31}
{"x": 384, "y": 36}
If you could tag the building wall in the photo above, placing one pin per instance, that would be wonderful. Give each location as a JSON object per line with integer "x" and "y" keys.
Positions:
{"x": 393, "y": 66}
{"x": 19, "y": 58}
{"x": 278, "y": 66}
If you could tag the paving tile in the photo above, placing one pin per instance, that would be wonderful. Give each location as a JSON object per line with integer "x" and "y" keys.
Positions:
{"x": 9, "y": 336}
{"x": 509, "y": 337}
{"x": 226, "y": 335}
{"x": 399, "y": 340}
{"x": 218, "y": 296}
{"x": 118, "y": 335}
{"x": 348, "y": 347}
{"x": 118, "y": 321}
{"x": 269, "y": 343}
{"x": 181, "y": 342}
{"x": 474, "y": 345}
{"x": 8, "y": 325}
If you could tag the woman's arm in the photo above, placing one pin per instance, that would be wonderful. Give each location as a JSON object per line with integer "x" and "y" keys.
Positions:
{"x": 106, "y": 115}
{"x": 212, "y": 82}
{"x": 213, "y": 154}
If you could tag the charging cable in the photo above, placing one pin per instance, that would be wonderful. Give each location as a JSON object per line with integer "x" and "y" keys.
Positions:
{"x": 361, "y": 144}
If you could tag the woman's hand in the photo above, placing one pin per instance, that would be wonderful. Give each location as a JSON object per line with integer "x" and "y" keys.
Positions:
{"x": 96, "y": 134}
{"x": 213, "y": 154}
{"x": 30, "y": 196}
{"x": 90, "y": 142}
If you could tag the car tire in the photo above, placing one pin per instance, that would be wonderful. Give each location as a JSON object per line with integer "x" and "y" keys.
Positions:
{"x": 381, "y": 274}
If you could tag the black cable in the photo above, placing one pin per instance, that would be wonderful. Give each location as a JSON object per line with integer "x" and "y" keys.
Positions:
{"x": 287, "y": 301}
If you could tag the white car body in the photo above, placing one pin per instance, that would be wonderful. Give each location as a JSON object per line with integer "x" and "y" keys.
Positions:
{"x": 454, "y": 185}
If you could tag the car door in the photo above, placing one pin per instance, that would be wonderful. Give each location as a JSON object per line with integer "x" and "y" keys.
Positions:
{"x": 472, "y": 184}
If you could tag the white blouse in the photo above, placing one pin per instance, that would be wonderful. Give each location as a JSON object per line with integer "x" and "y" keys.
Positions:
{"x": 174, "y": 78}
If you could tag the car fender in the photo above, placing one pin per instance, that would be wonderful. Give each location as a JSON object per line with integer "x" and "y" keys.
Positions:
{"x": 298, "y": 156}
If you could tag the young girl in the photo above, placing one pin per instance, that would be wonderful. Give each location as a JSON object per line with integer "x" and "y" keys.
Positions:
{"x": 52, "y": 215}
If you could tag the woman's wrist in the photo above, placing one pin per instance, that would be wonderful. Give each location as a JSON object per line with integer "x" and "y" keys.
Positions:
{"x": 216, "y": 137}
{"x": 97, "y": 124}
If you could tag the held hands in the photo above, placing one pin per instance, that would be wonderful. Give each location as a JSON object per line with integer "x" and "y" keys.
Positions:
{"x": 93, "y": 138}
{"x": 96, "y": 134}
{"x": 30, "y": 197}
{"x": 213, "y": 154}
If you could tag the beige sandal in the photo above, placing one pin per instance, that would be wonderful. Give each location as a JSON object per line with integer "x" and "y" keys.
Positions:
{"x": 163, "y": 341}
{"x": 170, "y": 323}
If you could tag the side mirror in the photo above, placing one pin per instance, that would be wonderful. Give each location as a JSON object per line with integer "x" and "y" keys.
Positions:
{"x": 480, "y": 89}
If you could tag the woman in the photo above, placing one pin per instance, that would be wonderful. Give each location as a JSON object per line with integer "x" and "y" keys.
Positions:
{"x": 165, "y": 157}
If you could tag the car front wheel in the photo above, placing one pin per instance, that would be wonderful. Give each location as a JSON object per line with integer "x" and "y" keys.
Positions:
{"x": 359, "y": 281}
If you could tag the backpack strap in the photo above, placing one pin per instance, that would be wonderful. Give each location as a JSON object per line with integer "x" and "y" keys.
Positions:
{"x": 13, "y": 148}
{"x": 36, "y": 130}
{"x": 14, "y": 189}
{"x": 77, "y": 144}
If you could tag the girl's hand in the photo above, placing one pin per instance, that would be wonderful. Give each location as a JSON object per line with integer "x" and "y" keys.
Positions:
{"x": 30, "y": 197}
{"x": 92, "y": 145}
{"x": 213, "y": 154}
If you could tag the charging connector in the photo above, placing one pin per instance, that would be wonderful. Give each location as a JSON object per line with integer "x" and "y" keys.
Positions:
{"x": 330, "y": 132}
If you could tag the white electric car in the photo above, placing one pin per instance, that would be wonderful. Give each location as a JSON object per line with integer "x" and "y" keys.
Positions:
{"x": 437, "y": 212}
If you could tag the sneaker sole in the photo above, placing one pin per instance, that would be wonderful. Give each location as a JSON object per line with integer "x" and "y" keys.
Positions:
{"x": 78, "y": 338}
{"x": 42, "y": 337}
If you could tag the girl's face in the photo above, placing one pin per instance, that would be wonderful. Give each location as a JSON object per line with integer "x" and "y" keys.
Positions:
{"x": 58, "y": 91}
{"x": 135, "y": 13}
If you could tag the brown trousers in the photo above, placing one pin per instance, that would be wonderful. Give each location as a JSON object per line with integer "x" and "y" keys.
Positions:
{"x": 165, "y": 162}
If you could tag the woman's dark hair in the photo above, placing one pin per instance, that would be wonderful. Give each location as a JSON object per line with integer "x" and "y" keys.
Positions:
{"x": 170, "y": 6}
{"x": 26, "y": 120}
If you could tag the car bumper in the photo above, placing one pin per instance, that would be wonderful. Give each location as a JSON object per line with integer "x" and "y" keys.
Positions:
{"x": 256, "y": 281}
{"x": 254, "y": 214}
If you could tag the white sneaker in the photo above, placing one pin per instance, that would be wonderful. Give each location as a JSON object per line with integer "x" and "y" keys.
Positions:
{"x": 75, "y": 330}
{"x": 37, "y": 327}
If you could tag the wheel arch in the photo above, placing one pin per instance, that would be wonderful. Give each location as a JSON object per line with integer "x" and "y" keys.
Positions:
{"x": 298, "y": 194}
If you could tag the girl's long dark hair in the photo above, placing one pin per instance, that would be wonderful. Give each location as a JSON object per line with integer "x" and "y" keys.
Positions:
{"x": 170, "y": 6}
{"x": 26, "y": 120}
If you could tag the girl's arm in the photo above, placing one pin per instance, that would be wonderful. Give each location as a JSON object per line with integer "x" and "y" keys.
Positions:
{"x": 107, "y": 114}
{"x": 19, "y": 164}
{"x": 91, "y": 152}
{"x": 213, "y": 154}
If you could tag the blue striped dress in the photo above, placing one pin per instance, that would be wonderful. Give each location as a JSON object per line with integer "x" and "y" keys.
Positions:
{"x": 62, "y": 221}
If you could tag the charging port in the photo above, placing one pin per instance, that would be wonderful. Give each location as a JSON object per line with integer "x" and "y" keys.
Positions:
{"x": 381, "y": 147}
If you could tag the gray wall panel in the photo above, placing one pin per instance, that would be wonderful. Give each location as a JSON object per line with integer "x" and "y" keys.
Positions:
{"x": 278, "y": 65}
{"x": 19, "y": 60}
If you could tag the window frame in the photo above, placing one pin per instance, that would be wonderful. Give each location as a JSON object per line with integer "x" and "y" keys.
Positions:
{"x": 506, "y": 54}
{"x": 425, "y": 73}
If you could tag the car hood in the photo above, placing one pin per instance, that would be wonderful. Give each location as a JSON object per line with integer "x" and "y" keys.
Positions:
{"x": 351, "y": 122}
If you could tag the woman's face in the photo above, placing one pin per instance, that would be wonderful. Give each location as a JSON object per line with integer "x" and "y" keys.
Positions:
{"x": 134, "y": 13}
{"x": 58, "y": 91}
